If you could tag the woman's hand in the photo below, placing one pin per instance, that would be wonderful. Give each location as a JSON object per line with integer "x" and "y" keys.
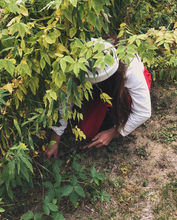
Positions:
{"x": 54, "y": 150}
{"x": 104, "y": 137}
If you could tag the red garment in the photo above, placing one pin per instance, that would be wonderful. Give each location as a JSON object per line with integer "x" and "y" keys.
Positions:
{"x": 94, "y": 115}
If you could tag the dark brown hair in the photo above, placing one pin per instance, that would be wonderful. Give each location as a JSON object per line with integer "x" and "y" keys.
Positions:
{"x": 115, "y": 87}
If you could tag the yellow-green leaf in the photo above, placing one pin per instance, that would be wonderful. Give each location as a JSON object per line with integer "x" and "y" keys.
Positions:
{"x": 17, "y": 127}
{"x": 50, "y": 38}
{"x": 72, "y": 32}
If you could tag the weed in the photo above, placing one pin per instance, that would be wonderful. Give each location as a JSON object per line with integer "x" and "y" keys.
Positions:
{"x": 141, "y": 152}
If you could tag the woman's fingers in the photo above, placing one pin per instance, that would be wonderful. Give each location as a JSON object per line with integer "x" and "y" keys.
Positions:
{"x": 99, "y": 145}
{"x": 93, "y": 144}
{"x": 96, "y": 137}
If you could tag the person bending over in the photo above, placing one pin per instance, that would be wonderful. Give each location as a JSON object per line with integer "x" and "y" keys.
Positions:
{"x": 129, "y": 87}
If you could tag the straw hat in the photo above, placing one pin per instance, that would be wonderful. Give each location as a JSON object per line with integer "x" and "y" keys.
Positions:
{"x": 108, "y": 70}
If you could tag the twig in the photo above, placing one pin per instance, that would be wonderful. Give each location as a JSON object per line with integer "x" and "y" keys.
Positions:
{"x": 36, "y": 163}
{"x": 43, "y": 167}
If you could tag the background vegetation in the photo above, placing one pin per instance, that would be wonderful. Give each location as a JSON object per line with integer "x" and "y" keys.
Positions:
{"x": 44, "y": 46}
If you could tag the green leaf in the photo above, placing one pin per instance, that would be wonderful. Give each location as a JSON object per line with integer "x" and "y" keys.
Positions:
{"x": 68, "y": 14}
{"x": 98, "y": 62}
{"x": 138, "y": 42}
{"x": 49, "y": 195}
{"x": 2, "y": 210}
{"x": 75, "y": 165}
{"x": 9, "y": 67}
{"x": 89, "y": 53}
{"x": 53, "y": 94}
{"x": 26, "y": 162}
{"x": 73, "y": 2}
{"x": 100, "y": 176}
{"x": 82, "y": 67}
{"x": 109, "y": 60}
{"x": 47, "y": 59}
{"x": 27, "y": 216}
{"x": 72, "y": 32}
{"x": 69, "y": 87}
{"x": 73, "y": 197}
{"x": 52, "y": 207}
{"x": 79, "y": 43}
{"x": 167, "y": 46}
{"x": 50, "y": 38}
{"x": 48, "y": 184}
{"x": 58, "y": 194}
{"x": 91, "y": 18}
{"x": 22, "y": 29}
{"x": 83, "y": 51}
{"x": 2, "y": 64}
{"x": 97, "y": 5}
{"x": 55, "y": 65}
{"x": 46, "y": 209}
{"x": 57, "y": 216}
{"x": 67, "y": 190}
{"x": 132, "y": 39}
{"x": 13, "y": 7}
{"x": 17, "y": 127}
{"x": 24, "y": 172}
{"x": 38, "y": 216}
{"x": 58, "y": 180}
{"x": 76, "y": 69}
{"x": 23, "y": 10}
{"x": 120, "y": 49}
{"x": 82, "y": 176}
{"x": 11, "y": 166}
{"x": 69, "y": 59}
{"x": 55, "y": 167}
{"x": 79, "y": 190}
{"x": 10, "y": 193}
{"x": 63, "y": 64}
{"x": 93, "y": 171}
{"x": 74, "y": 180}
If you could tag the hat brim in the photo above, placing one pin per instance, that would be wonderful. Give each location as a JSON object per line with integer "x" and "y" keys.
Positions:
{"x": 108, "y": 70}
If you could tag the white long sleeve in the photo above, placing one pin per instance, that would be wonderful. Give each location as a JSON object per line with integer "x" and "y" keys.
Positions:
{"x": 60, "y": 130}
{"x": 139, "y": 93}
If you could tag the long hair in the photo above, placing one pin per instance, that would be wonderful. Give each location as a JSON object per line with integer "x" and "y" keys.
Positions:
{"x": 114, "y": 86}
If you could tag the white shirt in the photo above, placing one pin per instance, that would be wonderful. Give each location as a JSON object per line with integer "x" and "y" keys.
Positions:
{"x": 139, "y": 93}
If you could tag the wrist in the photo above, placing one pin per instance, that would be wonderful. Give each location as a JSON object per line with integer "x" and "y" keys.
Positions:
{"x": 114, "y": 132}
{"x": 55, "y": 137}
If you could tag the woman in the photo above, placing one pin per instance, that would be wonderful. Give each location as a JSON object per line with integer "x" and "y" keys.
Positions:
{"x": 129, "y": 87}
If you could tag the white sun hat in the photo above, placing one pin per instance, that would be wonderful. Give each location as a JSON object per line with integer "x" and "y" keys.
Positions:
{"x": 108, "y": 71}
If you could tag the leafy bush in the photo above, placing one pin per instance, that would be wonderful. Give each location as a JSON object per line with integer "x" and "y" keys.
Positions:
{"x": 40, "y": 58}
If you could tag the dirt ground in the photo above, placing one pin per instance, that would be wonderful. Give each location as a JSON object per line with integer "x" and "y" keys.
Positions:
{"x": 140, "y": 169}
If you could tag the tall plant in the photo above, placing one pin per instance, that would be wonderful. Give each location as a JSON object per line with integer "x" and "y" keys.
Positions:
{"x": 44, "y": 48}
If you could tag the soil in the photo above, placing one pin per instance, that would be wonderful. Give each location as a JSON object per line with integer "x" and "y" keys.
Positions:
{"x": 150, "y": 159}
{"x": 138, "y": 169}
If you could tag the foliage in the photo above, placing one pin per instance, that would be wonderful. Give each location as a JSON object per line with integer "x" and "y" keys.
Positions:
{"x": 157, "y": 49}
{"x": 141, "y": 15}
{"x": 40, "y": 59}
{"x": 1, "y": 203}
{"x": 73, "y": 189}
{"x": 17, "y": 170}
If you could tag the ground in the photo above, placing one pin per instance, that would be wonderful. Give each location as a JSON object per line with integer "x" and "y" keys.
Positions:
{"x": 140, "y": 169}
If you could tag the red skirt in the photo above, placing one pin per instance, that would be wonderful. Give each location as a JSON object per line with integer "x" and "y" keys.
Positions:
{"x": 94, "y": 115}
